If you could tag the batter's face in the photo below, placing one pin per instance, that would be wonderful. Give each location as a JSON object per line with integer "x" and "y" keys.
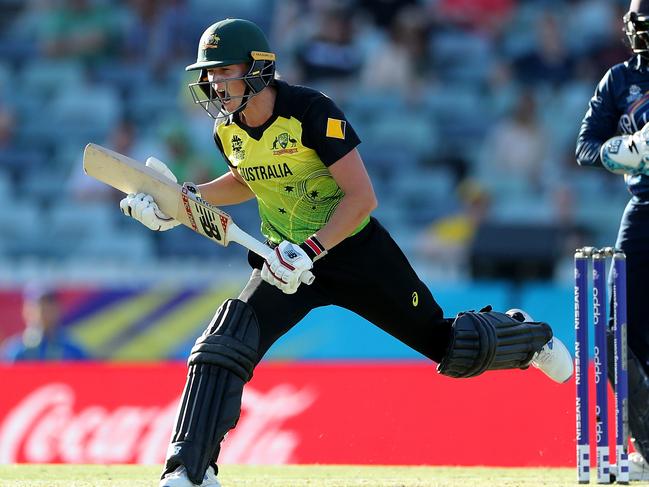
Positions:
{"x": 230, "y": 91}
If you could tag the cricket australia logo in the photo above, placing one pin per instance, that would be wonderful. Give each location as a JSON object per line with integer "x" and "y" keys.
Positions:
{"x": 212, "y": 42}
{"x": 281, "y": 144}
{"x": 237, "y": 148}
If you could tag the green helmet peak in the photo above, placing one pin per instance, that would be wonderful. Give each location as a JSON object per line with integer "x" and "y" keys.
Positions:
{"x": 231, "y": 41}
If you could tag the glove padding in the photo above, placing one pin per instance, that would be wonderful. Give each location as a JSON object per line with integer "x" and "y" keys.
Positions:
{"x": 283, "y": 268}
{"x": 142, "y": 207}
{"x": 627, "y": 154}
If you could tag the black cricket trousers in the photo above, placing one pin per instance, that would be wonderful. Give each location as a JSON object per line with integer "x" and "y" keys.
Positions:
{"x": 366, "y": 273}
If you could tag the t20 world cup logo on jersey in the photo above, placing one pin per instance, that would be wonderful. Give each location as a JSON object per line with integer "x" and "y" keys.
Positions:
{"x": 237, "y": 148}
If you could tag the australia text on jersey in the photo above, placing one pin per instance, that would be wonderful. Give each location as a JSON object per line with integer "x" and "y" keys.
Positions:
{"x": 271, "y": 171}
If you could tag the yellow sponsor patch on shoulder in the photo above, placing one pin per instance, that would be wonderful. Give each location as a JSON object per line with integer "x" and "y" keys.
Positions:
{"x": 336, "y": 128}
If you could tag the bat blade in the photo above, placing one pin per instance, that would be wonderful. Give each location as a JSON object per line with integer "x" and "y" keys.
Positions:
{"x": 131, "y": 176}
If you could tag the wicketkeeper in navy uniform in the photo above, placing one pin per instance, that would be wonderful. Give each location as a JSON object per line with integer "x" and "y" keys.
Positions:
{"x": 614, "y": 134}
{"x": 292, "y": 149}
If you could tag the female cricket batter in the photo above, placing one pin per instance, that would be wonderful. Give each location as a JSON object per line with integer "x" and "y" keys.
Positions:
{"x": 292, "y": 149}
{"x": 620, "y": 105}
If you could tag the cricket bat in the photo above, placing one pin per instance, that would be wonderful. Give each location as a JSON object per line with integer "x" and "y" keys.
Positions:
{"x": 131, "y": 176}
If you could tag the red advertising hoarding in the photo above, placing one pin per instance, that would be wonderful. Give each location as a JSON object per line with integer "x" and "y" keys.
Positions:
{"x": 331, "y": 413}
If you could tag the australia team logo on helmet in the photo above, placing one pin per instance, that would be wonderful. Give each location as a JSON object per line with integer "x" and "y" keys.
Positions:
{"x": 212, "y": 42}
{"x": 281, "y": 144}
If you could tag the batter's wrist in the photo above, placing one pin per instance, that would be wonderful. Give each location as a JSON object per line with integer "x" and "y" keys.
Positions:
{"x": 313, "y": 248}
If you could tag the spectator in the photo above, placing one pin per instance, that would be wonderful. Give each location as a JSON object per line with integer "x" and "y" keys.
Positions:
{"x": 401, "y": 61}
{"x": 43, "y": 337}
{"x": 516, "y": 147}
{"x": 158, "y": 33}
{"x": 484, "y": 15}
{"x": 88, "y": 190}
{"x": 383, "y": 12}
{"x": 592, "y": 24}
{"x": 79, "y": 29}
{"x": 15, "y": 159}
{"x": 549, "y": 62}
{"x": 332, "y": 53}
{"x": 610, "y": 50}
{"x": 180, "y": 155}
{"x": 449, "y": 238}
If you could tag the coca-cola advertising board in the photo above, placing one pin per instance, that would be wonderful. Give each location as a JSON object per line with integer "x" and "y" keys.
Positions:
{"x": 331, "y": 413}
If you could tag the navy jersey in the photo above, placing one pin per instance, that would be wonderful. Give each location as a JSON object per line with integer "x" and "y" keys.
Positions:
{"x": 619, "y": 106}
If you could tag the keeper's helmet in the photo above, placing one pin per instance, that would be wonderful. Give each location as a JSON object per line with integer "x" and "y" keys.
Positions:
{"x": 636, "y": 27}
{"x": 232, "y": 41}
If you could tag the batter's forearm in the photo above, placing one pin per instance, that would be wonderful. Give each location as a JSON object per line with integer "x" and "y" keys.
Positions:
{"x": 225, "y": 190}
{"x": 346, "y": 218}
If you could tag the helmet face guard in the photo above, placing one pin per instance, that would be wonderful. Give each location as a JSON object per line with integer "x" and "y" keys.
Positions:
{"x": 636, "y": 28}
{"x": 258, "y": 77}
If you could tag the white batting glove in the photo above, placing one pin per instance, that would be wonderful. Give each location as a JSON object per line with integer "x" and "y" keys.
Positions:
{"x": 161, "y": 167}
{"x": 285, "y": 265}
{"x": 142, "y": 207}
{"x": 627, "y": 154}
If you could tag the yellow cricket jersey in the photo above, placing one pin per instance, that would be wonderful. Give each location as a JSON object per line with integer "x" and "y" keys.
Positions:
{"x": 285, "y": 161}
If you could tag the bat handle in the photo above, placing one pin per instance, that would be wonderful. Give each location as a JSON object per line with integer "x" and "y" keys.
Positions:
{"x": 235, "y": 234}
{"x": 307, "y": 278}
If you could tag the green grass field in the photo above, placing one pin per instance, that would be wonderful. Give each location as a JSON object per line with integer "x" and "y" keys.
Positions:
{"x": 291, "y": 476}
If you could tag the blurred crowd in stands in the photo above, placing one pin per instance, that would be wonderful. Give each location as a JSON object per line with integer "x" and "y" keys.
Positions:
{"x": 468, "y": 111}
{"x": 43, "y": 336}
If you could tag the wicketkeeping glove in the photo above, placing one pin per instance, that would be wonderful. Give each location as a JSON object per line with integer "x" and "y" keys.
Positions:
{"x": 627, "y": 154}
{"x": 142, "y": 207}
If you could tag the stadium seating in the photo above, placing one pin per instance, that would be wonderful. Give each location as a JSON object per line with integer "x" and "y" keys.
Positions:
{"x": 469, "y": 84}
